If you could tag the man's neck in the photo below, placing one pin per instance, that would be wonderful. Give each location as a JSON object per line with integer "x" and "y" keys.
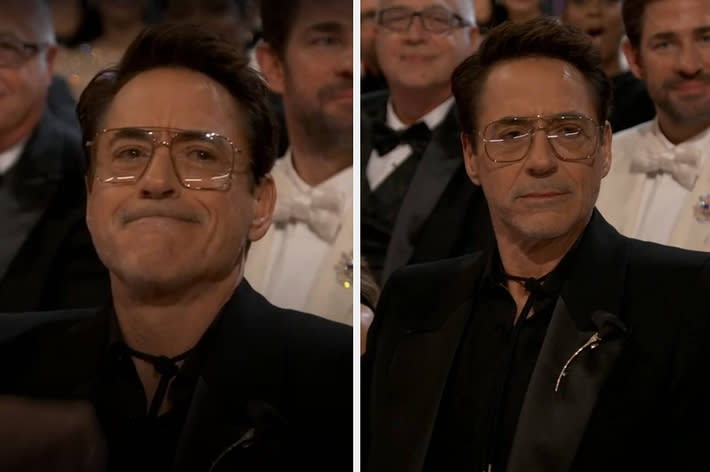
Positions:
{"x": 169, "y": 324}
{"x": 412, "y": 105}
{"x": 531, "y": 258}
{"x": 677, "y": 133}
{"x": 315, "y": 166}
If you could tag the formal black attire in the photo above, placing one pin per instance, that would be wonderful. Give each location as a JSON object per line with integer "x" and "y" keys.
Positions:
{"x": 47, "y": 259}
{"x": 631, "y": 104}
{"x": 264, "y": 389}
{"x": 427, "y": 209}
{"x": 635, "y": 400}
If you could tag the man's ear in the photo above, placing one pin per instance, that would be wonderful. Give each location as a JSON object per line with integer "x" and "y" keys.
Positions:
{"x": 606, "y": 149}
{"x": 469, "y": 158}
{"x": 633, "y": 58}
{"x": 271, "y": 67}
{"x": 264, "y": 202}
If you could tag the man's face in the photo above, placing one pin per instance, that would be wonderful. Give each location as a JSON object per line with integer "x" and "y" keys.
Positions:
{"x": 674, "y": 59}
{"x": 315, "y": 74}
{"x": 155, "y": 234}
{"x": 418, "y": 59}
{"x": 539, "y": 197}
{"x": 23, "y": 87}
{"x": 601, "y": 20}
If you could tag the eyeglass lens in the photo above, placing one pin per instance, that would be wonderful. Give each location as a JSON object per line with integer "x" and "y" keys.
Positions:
{"x": 571, "y": 138}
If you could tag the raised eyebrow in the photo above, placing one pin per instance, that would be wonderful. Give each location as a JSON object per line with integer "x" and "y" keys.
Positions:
{"x": 701, "y": 31}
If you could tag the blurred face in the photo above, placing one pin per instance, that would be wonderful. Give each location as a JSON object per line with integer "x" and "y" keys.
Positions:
{"x": 417, "y": 59}
{"x": 601, "y": 20}
{"x": 315, "y": 74}
{"x": 674, "y": 59}
{"x": 539, "y": 197}
{"x": 368, "y": 9}
{"x": 155, "y": 234}
{"x": 24, "y": 84}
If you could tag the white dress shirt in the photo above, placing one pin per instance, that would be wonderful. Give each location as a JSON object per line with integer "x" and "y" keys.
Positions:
{"x": 380, "y": 167}
{"x": 292, "y": 253}
{"x": 662, "y": 197}
{"x": 9, "y": 157}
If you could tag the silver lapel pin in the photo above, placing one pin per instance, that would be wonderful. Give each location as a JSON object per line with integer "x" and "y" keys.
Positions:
{"x": 591, "y": 343}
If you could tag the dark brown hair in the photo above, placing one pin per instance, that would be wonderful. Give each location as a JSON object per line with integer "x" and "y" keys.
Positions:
{"x": 194, "y": 48}
{"x": 277, "y": 17}
{"x": 633, "y": 11}
{"x": 541, "y": 37}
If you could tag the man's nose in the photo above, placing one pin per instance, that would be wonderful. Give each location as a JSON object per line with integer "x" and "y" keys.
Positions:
{"x": 541, "y": 159}
{"x": 159, "y": 179}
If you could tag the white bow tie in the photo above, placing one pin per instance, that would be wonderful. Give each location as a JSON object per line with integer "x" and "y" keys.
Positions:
{"x": 321, "y": 210}
{"x": 683, "y": 165}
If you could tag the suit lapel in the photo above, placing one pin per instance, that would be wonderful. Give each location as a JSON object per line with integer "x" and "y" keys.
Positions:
{"x": 413, "y": 382}
{"x": 689, "y": 232}
{"x": 238, "y": 384}
{"x": 30, "y": 187}
{"x": 440, "y": 161}
{"x": 552, "y": 423}
{"x": 330, "y": 297}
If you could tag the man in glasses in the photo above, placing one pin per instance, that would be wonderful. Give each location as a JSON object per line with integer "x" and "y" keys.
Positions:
{"x": 567, "y": 347}
{"x": 189, "y": 368}
{"x": 413, "y": 180}
{"x": 46, "y": 257}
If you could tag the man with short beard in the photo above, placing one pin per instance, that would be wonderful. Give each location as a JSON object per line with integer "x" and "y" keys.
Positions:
{"x": 305, "y": 261}
{"x": 658, "y": 186}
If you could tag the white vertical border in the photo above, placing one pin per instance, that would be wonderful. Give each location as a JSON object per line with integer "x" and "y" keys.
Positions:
{"x": 356, "y": 235}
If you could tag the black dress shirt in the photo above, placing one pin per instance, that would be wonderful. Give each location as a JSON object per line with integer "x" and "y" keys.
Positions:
{"x": 137, "y": 441}
{"x": 490, "y": 375}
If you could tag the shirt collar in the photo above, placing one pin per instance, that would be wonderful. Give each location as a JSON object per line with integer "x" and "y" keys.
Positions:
{"x": 432, "y": 119}
{"x": 9, "y": 157}
{"x": 698, "y": 143}
{"x": 341, "y": 182}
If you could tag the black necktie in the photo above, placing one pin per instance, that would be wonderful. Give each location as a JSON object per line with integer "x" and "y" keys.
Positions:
{"x": 385, "y": 139}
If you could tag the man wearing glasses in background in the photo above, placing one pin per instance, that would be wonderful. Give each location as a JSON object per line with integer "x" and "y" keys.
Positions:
{"x": 413, "y": 180}
{"x": 568, "y": 347}
{"x": 189, "y": 369}
{"x": 47, "y": 260}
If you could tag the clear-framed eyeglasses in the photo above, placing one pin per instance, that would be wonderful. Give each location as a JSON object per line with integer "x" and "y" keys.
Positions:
{"x": 437, "y": 20}
{"x": 201, "y": 160}
{"x": 15, "y": 52}
{"x": 572, "y": 137}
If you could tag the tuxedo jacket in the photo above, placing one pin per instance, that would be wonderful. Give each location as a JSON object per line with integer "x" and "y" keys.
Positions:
{"x": 443, "y": 214}
{"x": 638, "y": 401}
{"x": 52, "y": 261}
{"x": 279, "y": 372}
{"x": 621, "y": 192}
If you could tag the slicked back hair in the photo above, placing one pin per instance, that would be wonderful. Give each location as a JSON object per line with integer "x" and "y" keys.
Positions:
{"x": 542, "y": 37}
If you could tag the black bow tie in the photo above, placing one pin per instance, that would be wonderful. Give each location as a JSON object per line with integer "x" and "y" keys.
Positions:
{"x": 384, "y": 138}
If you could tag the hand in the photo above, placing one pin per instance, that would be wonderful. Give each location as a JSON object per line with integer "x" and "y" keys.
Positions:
{"x": 42, "y": 435}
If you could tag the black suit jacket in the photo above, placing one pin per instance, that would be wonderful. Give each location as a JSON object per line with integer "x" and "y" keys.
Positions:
{"x": 638, "y": 401}
{"x": 443, "y": 213}
{"x": 285, "y": 375}
{"x": 53, "y": 263}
